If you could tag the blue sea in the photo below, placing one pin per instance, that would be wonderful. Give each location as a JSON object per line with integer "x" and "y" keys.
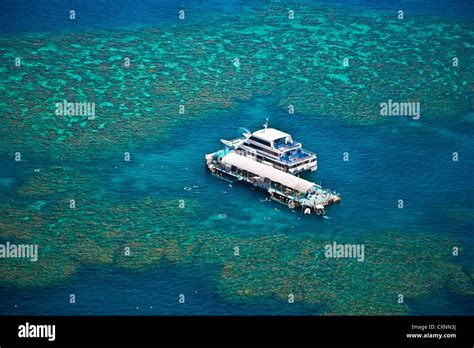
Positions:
{"x": 390, "y": 159}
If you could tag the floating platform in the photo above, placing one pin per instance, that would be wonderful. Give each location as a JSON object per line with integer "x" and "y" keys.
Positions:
{"x": 282, "y": 187}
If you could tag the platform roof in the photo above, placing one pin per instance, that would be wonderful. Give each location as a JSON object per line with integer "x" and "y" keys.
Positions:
{"x": 266, "y": 171}
{"x": 270, "y": 134}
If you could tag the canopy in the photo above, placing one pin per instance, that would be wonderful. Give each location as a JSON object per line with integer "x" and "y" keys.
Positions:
{"x": 267, "y": 171}
{"x": 270, "y": 134}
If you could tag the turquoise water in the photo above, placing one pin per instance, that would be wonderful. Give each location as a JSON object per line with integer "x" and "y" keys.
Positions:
{"x": 191, "y": 250}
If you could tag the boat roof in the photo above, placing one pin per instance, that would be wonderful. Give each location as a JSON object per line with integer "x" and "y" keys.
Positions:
{"x": 266, "y": 171}
{"x": 270, "y": 134}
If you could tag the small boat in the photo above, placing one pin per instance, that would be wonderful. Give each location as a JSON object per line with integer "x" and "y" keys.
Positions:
{"x": 319, "y": 209}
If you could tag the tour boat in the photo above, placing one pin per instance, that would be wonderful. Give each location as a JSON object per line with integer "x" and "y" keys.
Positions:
{"x": 240, "y": 162}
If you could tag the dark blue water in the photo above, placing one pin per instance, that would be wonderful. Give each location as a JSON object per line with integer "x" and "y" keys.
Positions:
{"x": 43, "y": 15}
{"x": 49, "y": 16}
{"x": 113, "y": 291}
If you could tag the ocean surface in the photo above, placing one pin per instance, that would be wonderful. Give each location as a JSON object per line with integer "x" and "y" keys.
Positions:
{"x": 180, "y": 223}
